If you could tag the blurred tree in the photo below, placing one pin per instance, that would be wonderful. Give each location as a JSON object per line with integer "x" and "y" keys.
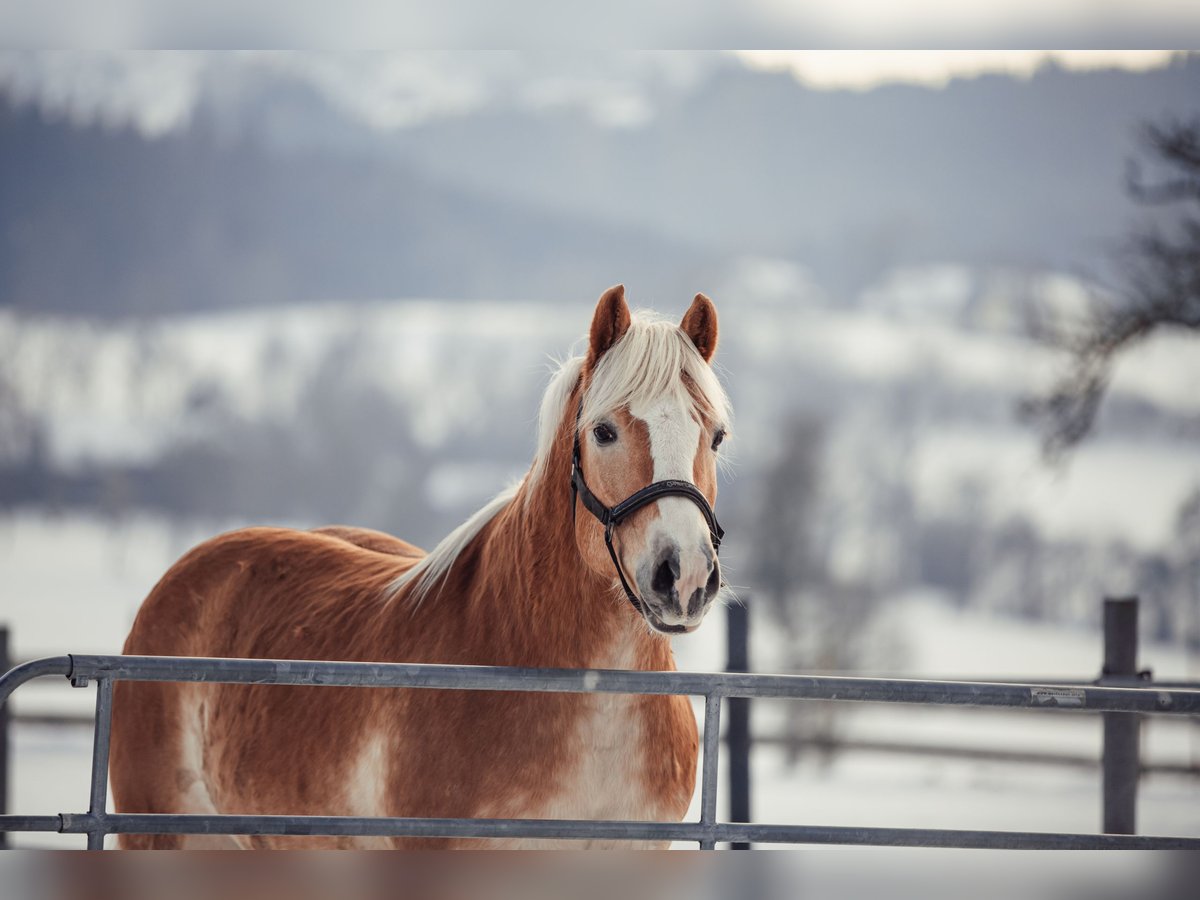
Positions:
{"x": 1187, "y": 540}
{"x": 19, "y": 428}
{"x": 824, "y": 617}
{"x": 1158, "y": 286}
{"x": 784, "y": 556}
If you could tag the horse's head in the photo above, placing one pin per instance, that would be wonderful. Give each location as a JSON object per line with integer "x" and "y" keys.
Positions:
{"x": 648, "y": 428}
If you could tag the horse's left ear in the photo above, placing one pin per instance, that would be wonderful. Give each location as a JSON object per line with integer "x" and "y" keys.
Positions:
{"x": 700, "y": 324}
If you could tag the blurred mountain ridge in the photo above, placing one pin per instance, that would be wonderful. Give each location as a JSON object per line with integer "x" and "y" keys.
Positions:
{"x": 101, "y": 221}
{"x": 274, "y": 193}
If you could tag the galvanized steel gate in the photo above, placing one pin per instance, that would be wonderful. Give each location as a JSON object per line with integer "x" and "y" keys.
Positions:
{"x": 714, "y": 688}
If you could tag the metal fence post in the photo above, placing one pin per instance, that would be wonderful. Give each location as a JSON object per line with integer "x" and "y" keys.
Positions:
{"x": 98, "y": 810}
{"x": 1122, "y": 731}
{"x": 737, "y": 734}
{"x": 708, "y": 783}
{"x": 5, "y": 665}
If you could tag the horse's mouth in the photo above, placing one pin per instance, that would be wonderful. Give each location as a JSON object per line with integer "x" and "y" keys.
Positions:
{"x": 657, "y": 624}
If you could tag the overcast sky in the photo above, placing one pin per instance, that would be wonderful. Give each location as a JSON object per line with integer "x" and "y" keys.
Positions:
{"x": 865, "y": 69}
{"x": 158, "y": 90}
{"x": 548, "y": 24}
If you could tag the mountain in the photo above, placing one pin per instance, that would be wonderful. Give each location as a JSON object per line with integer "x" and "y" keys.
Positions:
{"x": 101, "y": 220}
{"x": 280, "y": 189}
{"x": 990, "y": 169}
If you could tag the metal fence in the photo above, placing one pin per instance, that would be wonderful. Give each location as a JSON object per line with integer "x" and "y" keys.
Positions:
{"x": 1120, "y": 762}
{"x": 715, "y": 688}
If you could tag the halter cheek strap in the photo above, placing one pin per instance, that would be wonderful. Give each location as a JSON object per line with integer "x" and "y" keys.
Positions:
{"x": 611, "y": 517}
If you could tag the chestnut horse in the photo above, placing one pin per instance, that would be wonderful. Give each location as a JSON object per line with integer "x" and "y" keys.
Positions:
{"x": 529, "y": 580}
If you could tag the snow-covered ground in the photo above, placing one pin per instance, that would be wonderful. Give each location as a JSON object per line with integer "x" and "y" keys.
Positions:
{"x": 944, "y": 340}
{"x": 123, "y": 392}
{"x": 868, "y": 788}
{"x": 74, "y": 583}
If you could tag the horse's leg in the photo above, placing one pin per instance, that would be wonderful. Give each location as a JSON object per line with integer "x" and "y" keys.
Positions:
{"x": 154, "y": 761}
{"x": 370, "y": 539}
{"x": 141, "y": 759}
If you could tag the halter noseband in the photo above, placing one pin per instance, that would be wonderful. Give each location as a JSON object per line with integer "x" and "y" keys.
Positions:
{"x": 612, "y": 516}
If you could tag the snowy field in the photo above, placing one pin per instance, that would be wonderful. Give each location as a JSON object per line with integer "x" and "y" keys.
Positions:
{"x": 120, "y": 393}
{"x": 87, "y": 605}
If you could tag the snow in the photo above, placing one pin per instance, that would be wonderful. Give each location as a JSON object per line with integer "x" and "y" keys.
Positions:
{"x": 932, "y": 293}
{"x": 73, "y": 583}
{"x": 1112, "y": 489}
{"x": 121, "y": 393}
{"x": 886, "y": 790}
{"x": 1164, "y": 369}
{"x": 455, "y": 485}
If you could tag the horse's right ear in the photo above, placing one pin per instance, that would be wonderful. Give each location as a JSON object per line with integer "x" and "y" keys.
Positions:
{"x": 609, "y": 324}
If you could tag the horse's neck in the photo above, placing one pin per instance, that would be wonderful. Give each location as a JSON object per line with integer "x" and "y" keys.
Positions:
{"x": 534, "y": 600}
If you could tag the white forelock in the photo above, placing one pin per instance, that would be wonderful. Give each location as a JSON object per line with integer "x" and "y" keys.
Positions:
{"x": 646, "y": 366}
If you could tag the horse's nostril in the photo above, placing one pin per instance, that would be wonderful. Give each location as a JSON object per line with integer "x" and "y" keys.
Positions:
{"x": 664, "y": 578}
{"x": 666, "y": 573}
{"x": 714, "y": 580}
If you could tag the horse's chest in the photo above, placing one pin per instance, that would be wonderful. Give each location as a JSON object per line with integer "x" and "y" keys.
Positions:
{"x": 622, "y": 746}
{"x": 607, "y": 778}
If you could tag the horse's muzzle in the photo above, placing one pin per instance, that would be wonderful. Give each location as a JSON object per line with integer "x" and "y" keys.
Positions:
{"x": 678, "y": 589}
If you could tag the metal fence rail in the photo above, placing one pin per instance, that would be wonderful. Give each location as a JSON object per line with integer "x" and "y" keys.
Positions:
{"x": 714, "y": 688}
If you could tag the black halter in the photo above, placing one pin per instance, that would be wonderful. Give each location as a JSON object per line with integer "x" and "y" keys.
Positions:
{"x": 611, "y": 517}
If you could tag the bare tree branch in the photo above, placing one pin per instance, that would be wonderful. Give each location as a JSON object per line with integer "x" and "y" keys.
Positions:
{"x": 1159, "y": 286}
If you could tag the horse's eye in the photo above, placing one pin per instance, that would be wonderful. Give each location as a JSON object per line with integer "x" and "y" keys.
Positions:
{"x": 604, "y": 434}
{"x": 718, "y": 437}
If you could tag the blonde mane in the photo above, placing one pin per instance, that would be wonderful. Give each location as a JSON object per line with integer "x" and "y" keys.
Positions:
{"x": 653, "y": 359}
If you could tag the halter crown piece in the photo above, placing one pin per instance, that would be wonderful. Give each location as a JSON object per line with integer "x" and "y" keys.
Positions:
{"x": 612, "y": 516}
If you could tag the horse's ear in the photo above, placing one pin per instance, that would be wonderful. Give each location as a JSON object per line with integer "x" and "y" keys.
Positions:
{"x": 609, "y": 324}
{"x": 700, "y": 324}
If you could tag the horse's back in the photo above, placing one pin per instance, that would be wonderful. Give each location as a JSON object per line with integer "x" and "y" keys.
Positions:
{"x": 257, "y": 593}
{"x": 228, "y": 595}
{"x": 369, "y": 539}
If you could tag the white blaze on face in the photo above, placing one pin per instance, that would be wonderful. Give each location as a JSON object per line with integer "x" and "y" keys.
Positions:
{"x": 674, "y": 439}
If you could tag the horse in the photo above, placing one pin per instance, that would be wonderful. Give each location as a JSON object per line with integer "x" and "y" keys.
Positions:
{"x": 603, "y": 550}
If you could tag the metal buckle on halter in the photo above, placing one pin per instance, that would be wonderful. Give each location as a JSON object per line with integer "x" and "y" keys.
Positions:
{"x": 612, "y": 516}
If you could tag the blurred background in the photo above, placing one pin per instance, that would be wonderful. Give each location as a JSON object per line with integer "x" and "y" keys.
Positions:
{"x": 958, "y": 324}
